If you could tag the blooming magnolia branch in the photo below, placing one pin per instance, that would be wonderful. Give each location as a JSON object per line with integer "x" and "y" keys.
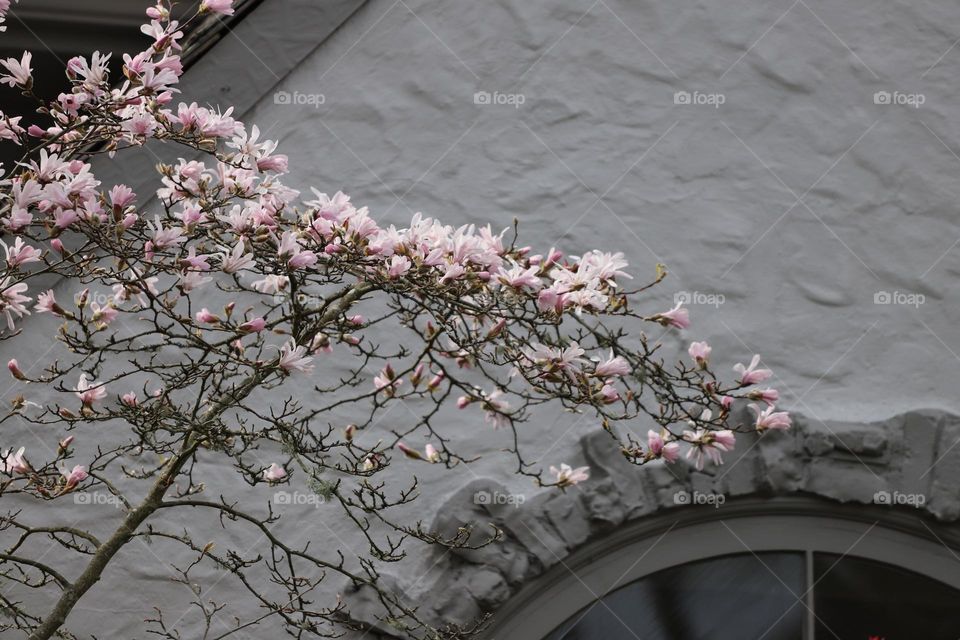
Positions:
{"x": 489, "y": 327}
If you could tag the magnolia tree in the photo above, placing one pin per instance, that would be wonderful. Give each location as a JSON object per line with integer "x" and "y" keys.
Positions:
{"x": 156, "y": 387}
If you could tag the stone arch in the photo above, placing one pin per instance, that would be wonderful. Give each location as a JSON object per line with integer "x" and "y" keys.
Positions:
{"x": 838, "y": 468}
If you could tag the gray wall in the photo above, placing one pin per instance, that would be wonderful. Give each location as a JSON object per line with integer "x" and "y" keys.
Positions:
{"x": 796, "y": 200}
{"x": 791, "y": 205}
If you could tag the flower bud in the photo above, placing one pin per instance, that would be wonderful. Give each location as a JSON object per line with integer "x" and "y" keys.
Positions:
{"x": 413, "y": 454}
{"x": 435, "y": 381}
{"x": 15, "y": 370}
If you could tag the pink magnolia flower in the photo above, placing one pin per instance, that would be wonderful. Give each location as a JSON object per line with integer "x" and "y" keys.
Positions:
{"x": 770, "y": 396}
{"x": 677, "y": 317}
{"x": 452, "y": 272}
{"x": 770, "y": 419}
{"x": 255, "y": 325}
{"x": 752, "y": 375}
{"x": 463, "y": 402}
{"x": 551, "y": 300}
{"x": 15, "y": 462}
{"x": 709, "y": 444}
{"x": 568, "y": 477}
{"x": 495, "y": 408}
{"x": 291, "y": 251}
{"x": 321, "y": 343}
{"x": 74, "y": 477}
{"x": 550, "y": 360}
{"x": 518, "y": 278}
{"x": 20, "y": 253}
{"x": 700, "y": 352}
{"x": 105, "y": 314}
{"x": 47, "y": 303}
{"x": 431, "y": 453}
{"x": 12, "y": 301}
{"x": 204, "y": 316}
{"x": 164, "y": 237}
{"x": 234, "y": 260}
{"x": 121, "y": 196}
{"x": 398, "y": 266}
{"x": 90, "y": 392}
{"x": 294, "y": 358}
{"x": 274, "y": 473}
{"x": 63, "y": 218}
{"x": 158, "y": 12}
{"x": 271, "y": 284}
{"x": 130, "y": 399}
{"x": 195, "y": 261}
{"x": 18, "y": 71}
{"x": 612, "y": 366}
{"x": 608, "y": 393}
{"x": 223, "y": 7}
{"x": 661, "y": 448}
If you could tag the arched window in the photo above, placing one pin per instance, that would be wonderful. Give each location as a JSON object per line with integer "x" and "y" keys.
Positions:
{"x": 764, "y": 596}
{"x": 790, "y": 570}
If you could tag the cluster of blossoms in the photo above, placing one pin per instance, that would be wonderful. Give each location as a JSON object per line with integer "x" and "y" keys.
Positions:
{"x": 224, "y": 224}
{"x": 4, "y": 9}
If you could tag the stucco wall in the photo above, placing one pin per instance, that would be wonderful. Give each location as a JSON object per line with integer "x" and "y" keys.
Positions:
{"x": 797, "y": 199}
{"x": 782, "y": 212}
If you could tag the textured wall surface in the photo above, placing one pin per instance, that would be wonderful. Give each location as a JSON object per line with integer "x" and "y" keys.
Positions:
{"x": 804, "y": 215}
{"x": 794, "y": 202}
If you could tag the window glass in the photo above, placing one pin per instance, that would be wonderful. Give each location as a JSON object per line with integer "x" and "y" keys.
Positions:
{"x": 863, "y": 599}
{"x": 728, "y": 598}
